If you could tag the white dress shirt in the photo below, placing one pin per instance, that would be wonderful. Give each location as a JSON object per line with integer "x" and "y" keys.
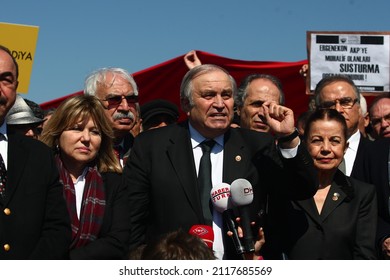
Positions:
{"x": 350, "y": 154}
{"x": 4, "y": 144}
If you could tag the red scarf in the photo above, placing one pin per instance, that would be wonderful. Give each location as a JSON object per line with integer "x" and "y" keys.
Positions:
{"x": 93, "y": 203}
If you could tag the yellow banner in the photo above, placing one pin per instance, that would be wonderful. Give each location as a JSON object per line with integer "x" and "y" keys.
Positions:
{"x": 21, "y": 40}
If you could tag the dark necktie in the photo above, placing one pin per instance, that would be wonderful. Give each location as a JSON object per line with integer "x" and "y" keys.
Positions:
{"x": 3, "y": 177}
{"x": 204, "y": 179}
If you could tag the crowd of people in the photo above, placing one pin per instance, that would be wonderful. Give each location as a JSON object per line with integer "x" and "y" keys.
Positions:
{"x": 103, "y": 177}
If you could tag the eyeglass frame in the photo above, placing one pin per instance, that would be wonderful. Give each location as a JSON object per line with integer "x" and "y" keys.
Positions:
{"x": 340, "y": 101}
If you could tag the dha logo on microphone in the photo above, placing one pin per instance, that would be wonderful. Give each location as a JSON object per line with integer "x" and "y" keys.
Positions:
{"x": 248, "y": 191}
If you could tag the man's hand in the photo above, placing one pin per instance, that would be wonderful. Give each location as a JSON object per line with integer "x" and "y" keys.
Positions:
{"x": 191, "y": 59}
{"x": 260, "y": 241}
{"x": 386, "y": 248}
{"x": 281, "y": 121}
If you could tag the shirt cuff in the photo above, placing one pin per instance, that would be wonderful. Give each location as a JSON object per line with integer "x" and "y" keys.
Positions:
{"x": 290, "y": 153}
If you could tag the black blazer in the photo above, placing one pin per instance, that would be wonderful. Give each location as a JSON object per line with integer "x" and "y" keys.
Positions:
{"x": 162, "y": 180}
{"x": 344, "y": 230}
{"x": 364, "y": 143}
{"x": 112, "y": 242}
{"x": 34, "y": 221}
{"x": 374, "y": 169}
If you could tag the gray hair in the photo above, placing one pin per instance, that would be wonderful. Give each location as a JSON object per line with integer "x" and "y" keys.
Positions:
{"x": 100, "y": 75}
{"x": 331, "y": 79}
{"x": 243, "y": 89}
{"x": 186, "y": 87}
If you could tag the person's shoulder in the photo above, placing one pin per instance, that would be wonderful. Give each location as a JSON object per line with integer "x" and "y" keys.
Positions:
{"x": 160, "y": 133}
{"x": 253, "y": 136}
{"x": 112, "y": 179}
{"x": 379, "y": 146}
{"x": 361, "y": 186}
{"x": 111, "y": 176}
{"x": 28, "y": 142}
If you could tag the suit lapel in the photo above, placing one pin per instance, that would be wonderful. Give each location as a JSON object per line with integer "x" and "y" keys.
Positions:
{"x": 182, "y": 159}
{"x": 235, "y": 157}
{"x": 309, "y": 206}
{"x": 340, "y": 190}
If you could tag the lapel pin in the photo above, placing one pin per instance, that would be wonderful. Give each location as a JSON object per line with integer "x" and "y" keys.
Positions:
{"x": 238, "y": 158}
{"x": 335, "y": 196}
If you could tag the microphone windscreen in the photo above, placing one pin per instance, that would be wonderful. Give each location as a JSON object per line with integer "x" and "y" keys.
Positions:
{"x": 241, "y": 192}
{"x": 220, "y": 197}
{"x": 204, "y": 232}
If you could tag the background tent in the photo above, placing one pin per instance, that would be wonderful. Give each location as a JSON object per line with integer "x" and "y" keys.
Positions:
{"x": 163, "y": 80}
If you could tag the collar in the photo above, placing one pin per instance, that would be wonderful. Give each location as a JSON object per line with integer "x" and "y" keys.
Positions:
{"x": 3, "y": 130}
{"x": 354, "y": 141}
{"x": 197, "y": 138}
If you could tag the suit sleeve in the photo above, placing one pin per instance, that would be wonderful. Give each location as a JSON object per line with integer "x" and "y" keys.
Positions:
{"x": 56, "y": 233}
{"x": 136, "y": 179}
{"x": 366, "y": 225}
{"x": 301, "y": 179}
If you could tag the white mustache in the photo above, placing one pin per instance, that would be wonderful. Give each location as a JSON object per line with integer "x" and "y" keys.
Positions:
{"x": 118, "y": 116}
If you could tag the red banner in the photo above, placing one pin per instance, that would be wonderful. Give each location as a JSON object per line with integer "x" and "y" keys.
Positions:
{"x": 163, "y": 80}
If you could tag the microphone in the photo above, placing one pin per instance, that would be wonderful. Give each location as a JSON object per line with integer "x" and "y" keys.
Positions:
{"x": 241, "y": 192}
{"x": 220, "y": 198}
{"x": 204, "y": 232}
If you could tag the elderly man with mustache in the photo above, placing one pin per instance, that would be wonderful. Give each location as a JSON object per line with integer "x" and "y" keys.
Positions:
{"x": 118, "y": 92}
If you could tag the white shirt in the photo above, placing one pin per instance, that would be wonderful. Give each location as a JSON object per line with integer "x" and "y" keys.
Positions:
{"x": 216, "y": 157}
{"x": 79, "y": 191}
{"x": 350, "y": 154}
{"x": 4, "y": 144}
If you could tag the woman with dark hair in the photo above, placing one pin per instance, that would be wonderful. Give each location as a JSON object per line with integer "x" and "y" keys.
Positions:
{"x": 97, "y": 202}
{"x": 339, "y": 221}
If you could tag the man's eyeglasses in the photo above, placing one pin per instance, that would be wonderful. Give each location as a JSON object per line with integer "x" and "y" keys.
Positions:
{"x": 378, "y": 121}
{"x": 114, "y": 100}
{"x": 346, "y": 103}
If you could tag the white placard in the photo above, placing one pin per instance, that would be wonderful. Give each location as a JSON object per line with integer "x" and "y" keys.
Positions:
{"x": 364, "y": 57}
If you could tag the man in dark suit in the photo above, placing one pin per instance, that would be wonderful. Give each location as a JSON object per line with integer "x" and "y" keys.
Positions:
{"x": 34, "y": 222}
{"x": 375, "y": 170}
{"x": 161, "y": 172}
{"x": 340, "y": 93}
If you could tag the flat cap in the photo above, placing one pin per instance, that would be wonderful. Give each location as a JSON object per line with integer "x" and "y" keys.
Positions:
{"x": 21, "y": 113}
{"x": 157, "y": 107}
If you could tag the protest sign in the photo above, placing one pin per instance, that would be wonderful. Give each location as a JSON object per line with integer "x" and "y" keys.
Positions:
{"x": 362, "y": 56}
{"x": 21, "y": 40}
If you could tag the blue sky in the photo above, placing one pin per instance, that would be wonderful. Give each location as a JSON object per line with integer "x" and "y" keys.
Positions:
{"x": 77, "y": 37}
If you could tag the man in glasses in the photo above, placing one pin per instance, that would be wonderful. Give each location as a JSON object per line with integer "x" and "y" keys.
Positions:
{"x": 118, "y": 92}
{"x": 380, "y": 116}
{"x": 340, "y": 93}
{"x": 376, "y": 168}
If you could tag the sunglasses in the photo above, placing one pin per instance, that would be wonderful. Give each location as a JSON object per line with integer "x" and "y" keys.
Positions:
{"x": 117, "y": 99}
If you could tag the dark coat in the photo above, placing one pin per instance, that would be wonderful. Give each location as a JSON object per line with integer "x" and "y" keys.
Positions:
{"x": 374, "y": 169}
{"x": 345, "y": 229}
{"x": 34, "y": 221}
{"x": 112, "y": 241}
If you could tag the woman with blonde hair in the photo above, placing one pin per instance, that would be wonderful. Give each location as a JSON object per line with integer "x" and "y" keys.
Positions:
{"x": 81, "y": 136}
